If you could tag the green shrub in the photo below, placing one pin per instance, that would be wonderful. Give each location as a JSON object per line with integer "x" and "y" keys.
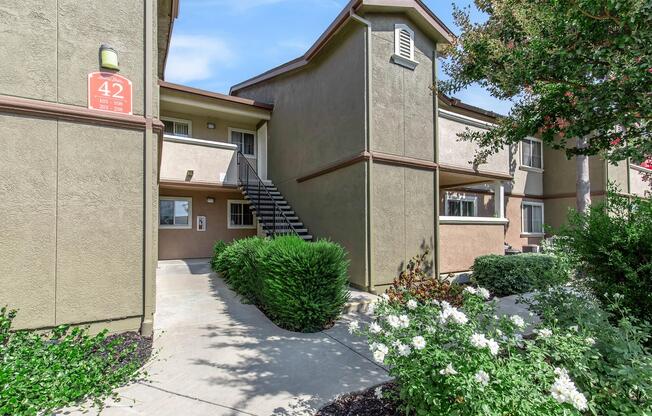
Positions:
{"x": 509, "y": 275}
{"x": 238, "y": 263}
{"x": 304, "y": 284}
{"x": 43, "y": 371}
{"x": 218, "y": 248}
{"x": 613, "y": 245}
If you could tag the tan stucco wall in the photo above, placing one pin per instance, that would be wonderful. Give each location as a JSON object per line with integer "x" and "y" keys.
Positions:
{"x": 190, "y": 243}
{"x": 560, "y": 173}
{"x": 640, "y": 182}
{"x": 514, "y": 229}
{"x": 462, "y": 243}
{"x": 209, "y": 164}
{"x": 557, "y": 210}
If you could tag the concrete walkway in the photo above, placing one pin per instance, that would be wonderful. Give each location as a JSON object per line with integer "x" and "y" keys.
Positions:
{"x": 217, "y": 356}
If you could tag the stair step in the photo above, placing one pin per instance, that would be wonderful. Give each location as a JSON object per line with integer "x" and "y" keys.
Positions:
{"x": 262, "y": 197}
{"x": 283, "y": 206}
{"x": 296, "y": 225}
{"x": 290, "y": 218}
{"x": 262, "y": 191}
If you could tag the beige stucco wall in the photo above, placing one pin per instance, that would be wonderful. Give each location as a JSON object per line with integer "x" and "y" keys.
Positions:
{"x": 462, "y": 243}
{"x": 209, "y": 164}
{"x": 514, "y": 229}
{"x": 190, "y": 243}
{"x": 560, "y": 174}
{"x": 640, "y": 183}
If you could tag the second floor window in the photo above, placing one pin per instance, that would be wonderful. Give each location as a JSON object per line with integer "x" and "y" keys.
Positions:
{"x": 457, "y": 206}
{"x": 245, "y": 140}
{"x": 531, "y": 153}
{"x": 177, "y": 127}
{"x": 532, "y": 218}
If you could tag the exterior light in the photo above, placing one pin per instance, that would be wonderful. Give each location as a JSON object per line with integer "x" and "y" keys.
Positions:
{"x": 210, "y": 200}
{"x": 189, "y": 174}
{"x": 210, "y": 125}
{"x": 109, "y": 58}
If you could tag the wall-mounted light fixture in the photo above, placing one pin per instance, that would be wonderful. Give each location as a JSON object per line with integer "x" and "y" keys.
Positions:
{"x": 189, "y": 174}
{"x": 210, "y": 125}
{"x": 109, "y": 58}
{"x": 210, "y": 200}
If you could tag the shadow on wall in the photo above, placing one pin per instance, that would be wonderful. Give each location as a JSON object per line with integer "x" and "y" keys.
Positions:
{"x": 428, "y": 264}
{"x": 263, "y": 360}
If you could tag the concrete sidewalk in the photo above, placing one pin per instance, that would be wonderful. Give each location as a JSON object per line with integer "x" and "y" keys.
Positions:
{"x": 217, "y": 356}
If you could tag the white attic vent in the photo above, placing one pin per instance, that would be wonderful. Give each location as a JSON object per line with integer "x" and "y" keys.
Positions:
{"x": 404, "y": 46}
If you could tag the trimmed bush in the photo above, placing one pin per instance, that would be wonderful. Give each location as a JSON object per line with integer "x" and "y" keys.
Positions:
{"x": 217, "y": 249}
{"x": 300, "y": 286}
{"x": 509, "y": 275}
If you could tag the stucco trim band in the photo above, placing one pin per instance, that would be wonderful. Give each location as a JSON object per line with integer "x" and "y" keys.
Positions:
{"x": 472, "y": 220}
{"x": 36, "y": 108}
{"x": 340, "y": 164}
{"x": 199, "y": 142}
{"x": 475, "y": 172}
{"x": 213, "y": 186}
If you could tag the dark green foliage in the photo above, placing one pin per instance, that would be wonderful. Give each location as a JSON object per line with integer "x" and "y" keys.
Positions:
{"x": 301, "y": 286}
{"x": 40, "y": 372}
{"x": 509, "y": 275}
{"x": 613, "y": 245}
{"x": 217, "y": 249}
{"x": 304, "y": 284}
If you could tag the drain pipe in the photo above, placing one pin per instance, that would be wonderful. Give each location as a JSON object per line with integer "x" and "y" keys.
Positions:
{"x": 369, "y": 177}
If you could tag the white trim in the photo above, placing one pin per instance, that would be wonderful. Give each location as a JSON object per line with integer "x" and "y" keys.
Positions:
{"x": 466, "y": 119}
{"x": 176, "y": 227}
{"x": 398, "y": 57}
{"x": 640, "y": 168}
{"x": 520, "y": 154}
{"x": 232, "y": 129}
{"x": 543, "y": 216}
{"x": 449, "y": 196}
{"x": 199, "y": 142}
{"x": 472, "y": 220}
{"x": 228, "y": 216}
{"x": 179, "y": 120}
{"x": 530, "y": 168}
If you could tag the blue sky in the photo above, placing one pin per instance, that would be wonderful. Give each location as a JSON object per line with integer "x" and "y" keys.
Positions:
{"x": 219, "y": 43}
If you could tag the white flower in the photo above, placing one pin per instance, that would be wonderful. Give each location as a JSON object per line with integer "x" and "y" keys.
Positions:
{"x": 404, "y": 350}
{"x": 444, "y": 304}
{"x": 412, "y": 304}
{"x": 385, "y": 296}
{"x": 574, "y": 328}
{"x": 353, "y": 326}
{"x": 499, "y": 332}
{"x": 482, "y": 377}
{"x": 544, "y": 333}
{"x": 374, "y": 328}
{"x": 378, "y": 392}
{"x": 564, "y": 391}
{"x": 493, "y": 346}
{"x": 434, "y": 302}
{"x": 590, "y": 341}
{"x": 518, "y": 339}
{"x": 393, "y": 321}
{"x": 371, "y": 307}
{"x": 449, "y": 313}
{"x": 471, "y": 290}
{"x": 377, "y": 346}
{"x": 478, "y": 340}
{"x": 484, "y": 293}
{"x": 448, "y": 371}
{"x": 404, "y": 321}
{"x": 518, "y": 321}
{"x": 419, "y": 342}
{"x": 431, "y": 329}
{"x": 379, "y": 356}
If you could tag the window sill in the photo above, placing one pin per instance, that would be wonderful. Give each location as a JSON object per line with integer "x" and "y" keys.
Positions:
{"x": 405, "y": 62}
{"x": 530, "y": 169}
{"x": 472, "y": 220}
{"x": 533, "y": 235}
{"x": 175, "y": 227}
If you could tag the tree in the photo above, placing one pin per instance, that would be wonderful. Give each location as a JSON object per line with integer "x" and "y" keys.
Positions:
{"x": 574, "y": 69}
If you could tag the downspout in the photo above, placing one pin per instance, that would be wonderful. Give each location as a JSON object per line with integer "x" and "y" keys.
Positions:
{"x": 147, "y": 325}
{"x": 435, "y": 97}
{"x": 369, "y": 163}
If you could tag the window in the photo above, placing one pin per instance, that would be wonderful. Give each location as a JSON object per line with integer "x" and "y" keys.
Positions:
{"x": 404, "y": 46}
{"x": 240, "y": 216}
{"x": 245, "y": 140}
{"x": 532, "y": 218}
{"x": 175, "y": 212}
{"x": 531, "y": 155}
{"x": 177, "y": 127}
{"x": 460, "y": 206}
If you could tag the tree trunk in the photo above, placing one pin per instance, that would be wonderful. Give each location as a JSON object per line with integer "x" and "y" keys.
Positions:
{"x": 583, "y": 180}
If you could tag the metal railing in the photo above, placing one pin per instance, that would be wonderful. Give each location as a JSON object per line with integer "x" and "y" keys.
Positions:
{"x": 260, "y": 198}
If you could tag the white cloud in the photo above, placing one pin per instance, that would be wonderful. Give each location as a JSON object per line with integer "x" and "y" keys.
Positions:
{"x": 196, "y": 57}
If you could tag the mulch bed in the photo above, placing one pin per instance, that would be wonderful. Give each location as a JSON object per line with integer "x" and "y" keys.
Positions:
{"x": 143, "y": 346}
{"x": 362, "y": 403}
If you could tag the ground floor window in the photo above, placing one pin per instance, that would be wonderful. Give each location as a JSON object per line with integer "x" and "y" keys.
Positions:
{"x": 175, "y": 212}
{"x": 532, "y": 217}
{"x": 240, "y": 216}
{"x": 460, "y": 205}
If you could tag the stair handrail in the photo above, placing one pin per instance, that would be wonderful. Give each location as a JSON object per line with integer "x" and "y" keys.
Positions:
{"x": 259, "y": 182}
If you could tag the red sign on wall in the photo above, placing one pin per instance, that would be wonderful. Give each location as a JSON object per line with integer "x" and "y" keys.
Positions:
{"x": 109, "y": 92}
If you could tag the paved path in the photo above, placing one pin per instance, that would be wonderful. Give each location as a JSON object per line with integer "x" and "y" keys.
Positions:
{"x": 217, "y": 356}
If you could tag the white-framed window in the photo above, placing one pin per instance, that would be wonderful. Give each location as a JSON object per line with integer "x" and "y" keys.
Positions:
{"x": 532, "y": 153}
{"x": 177, "y": 126}
{"x": 175, "y": 212}
{"x": 404, "y": 46}
{"x": 239, "y": 215}
{"x": 245, "y": 140}
{"x": 532, "y": 214}
{"x": 461, "y": 205}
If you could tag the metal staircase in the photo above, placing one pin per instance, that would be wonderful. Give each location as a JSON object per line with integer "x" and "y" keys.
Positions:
{"x": 274, "y": 214}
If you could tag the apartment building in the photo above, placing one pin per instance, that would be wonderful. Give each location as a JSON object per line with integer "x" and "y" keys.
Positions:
{"x": 347, "y": 142}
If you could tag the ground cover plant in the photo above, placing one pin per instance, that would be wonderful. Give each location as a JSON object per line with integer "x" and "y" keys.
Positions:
{"x": 300, "y": 286}
{"x": 43, "y": 371}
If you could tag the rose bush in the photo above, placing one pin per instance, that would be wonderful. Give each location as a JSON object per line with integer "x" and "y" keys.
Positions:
{"x": 468, "y": 361}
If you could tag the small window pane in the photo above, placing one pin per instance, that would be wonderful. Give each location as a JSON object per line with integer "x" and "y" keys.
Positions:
{"x": 181, "y": 212}
{"x": 166, "y": 212}
{"x": 467, "y": 208}
{"x": 181, "y": 129}
{"x": 454, "y": 208}
{"x": 532, "y": 219}
{"x": 248, "y": 143}
{"x": 169, "y": 126}
{"x": 247, "y": 216}
{"x": 527, "y": 152}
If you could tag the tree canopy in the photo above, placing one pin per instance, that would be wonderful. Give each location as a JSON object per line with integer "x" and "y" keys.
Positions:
{"x": 574, "y": 68}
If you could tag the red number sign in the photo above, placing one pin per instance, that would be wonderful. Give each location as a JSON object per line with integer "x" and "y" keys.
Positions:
{"x": 109, "y": 92}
